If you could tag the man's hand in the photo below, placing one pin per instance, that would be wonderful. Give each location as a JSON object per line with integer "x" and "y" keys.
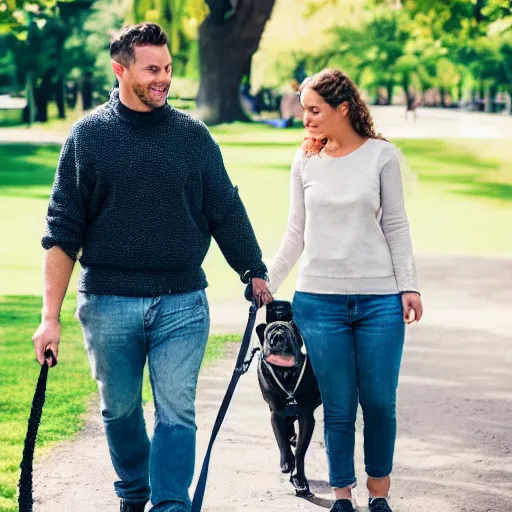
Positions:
{"x": 47, "y": 337}
{"x": 413, "y": 309}
{"x": 260, "y": 291}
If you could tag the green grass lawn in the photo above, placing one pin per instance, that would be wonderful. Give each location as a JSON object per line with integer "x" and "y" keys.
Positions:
{"x": 69, "y": 386}
{"x": 462, "y": 207}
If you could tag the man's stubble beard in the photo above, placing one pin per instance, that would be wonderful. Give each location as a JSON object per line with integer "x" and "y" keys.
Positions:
{"x": 142, "y": 93}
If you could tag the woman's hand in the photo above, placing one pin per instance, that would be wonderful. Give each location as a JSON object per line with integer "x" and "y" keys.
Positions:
{"x": 413, "y": 309}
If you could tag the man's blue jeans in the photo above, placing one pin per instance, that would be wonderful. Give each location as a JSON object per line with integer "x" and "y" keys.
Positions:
{"x": 171, "y": 331}
{"x": 355, "y": 346}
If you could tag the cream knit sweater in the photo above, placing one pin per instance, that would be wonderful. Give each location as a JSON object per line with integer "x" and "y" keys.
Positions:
{"x": 348, "y": 225}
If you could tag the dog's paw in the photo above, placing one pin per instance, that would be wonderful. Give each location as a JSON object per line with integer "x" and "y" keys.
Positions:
{"x": 287, "y": 467}
{"x": 288, "y": 464}
{"x": 302, "y": 489}
{"x": 303, "y": 493}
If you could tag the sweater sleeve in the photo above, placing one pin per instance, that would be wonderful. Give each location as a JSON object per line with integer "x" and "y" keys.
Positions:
{"x": 395, "y": 225}
{"x": 66, "y": 217}
{"x": 227, "y": 217}
{"x": 292, "y": 243}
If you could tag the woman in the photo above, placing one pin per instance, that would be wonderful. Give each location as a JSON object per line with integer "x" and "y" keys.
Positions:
{"x": 356, "y": 286}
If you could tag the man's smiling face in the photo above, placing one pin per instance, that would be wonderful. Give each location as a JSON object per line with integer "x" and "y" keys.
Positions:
{"x": 148, "y": 78}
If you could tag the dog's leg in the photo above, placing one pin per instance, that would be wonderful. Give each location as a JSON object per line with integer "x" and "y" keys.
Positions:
{"x": 298, "y": 477}
{"x": 281, "y": 432}
{"x": 290, "y": 430}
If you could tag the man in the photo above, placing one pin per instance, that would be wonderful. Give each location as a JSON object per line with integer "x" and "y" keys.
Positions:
{"x": 139, "y": 191}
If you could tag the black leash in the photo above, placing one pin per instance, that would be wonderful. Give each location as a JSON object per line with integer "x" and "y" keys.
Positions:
{"x": 241, "y": 367}
{"x": 25, "y": 499}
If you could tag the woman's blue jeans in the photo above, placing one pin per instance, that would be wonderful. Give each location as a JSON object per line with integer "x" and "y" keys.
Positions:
{"x": 355, "y": 345}
{"x": 171, "y": 332}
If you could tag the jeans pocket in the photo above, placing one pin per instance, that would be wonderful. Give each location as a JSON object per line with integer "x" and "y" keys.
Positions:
{"x": 201, "y": 299}
{"x": 189, "y": 302}
{"x": 81, "y": 299}
{"x": 83, "y": 302}
{"x": 203, "y": 302}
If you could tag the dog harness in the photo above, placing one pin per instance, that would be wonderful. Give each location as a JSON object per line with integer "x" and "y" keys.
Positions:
{"x": 291, "y": 403}
{"x": 290, "y": 395}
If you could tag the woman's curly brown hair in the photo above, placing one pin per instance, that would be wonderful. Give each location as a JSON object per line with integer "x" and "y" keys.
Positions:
{"x": 335, "y": 88}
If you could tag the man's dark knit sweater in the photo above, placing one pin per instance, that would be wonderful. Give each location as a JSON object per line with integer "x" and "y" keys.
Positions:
{"x": 137, "y": 197}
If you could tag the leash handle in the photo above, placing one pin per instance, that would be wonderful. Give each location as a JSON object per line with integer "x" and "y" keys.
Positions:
{"x": 25, "y": 498}
{"x": 51, "y": 356}
{"x": 197, "y": 502}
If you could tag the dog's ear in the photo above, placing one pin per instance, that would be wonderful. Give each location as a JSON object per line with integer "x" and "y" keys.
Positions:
{"x": 260, "y": 331}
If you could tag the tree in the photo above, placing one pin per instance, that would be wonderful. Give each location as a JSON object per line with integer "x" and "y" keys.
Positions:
{"x": 379, "y": 45}
{"x": 13, "y": 13}
{"x": 228, "y": 38}
{"x": 38, "y": 34}
{"x": 467, "y": 35}
{"x": 106, "y": 19}
{"x": 448, "y": 77}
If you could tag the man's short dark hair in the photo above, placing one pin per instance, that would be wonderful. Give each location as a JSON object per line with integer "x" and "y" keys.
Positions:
{"x": 143, "y": 34}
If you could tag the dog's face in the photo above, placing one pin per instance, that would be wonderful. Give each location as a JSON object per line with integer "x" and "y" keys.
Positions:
{"x": 281, "y": 343}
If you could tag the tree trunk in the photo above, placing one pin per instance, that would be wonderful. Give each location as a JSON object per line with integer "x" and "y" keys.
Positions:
{"x": 442, "y": 93}
{"x": 406, "y": 87}
{"x": 31, "y": 105}
{"x": 493, "y": 93}
{"x": 246, "y": 70}
{"x": 60, "y": 97}
{"x": 389, "y": 87}
{"x": 42, "y": 96}
{"x": 376, "y": 95}
{"x": 228, "y": 38}
{"x": 86, "y": 90}
{"x": 479, "y": 6}
{"x": 487, "y": 100}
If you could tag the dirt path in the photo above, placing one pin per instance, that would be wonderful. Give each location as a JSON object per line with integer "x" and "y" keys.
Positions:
{"x": 454, "y": 446}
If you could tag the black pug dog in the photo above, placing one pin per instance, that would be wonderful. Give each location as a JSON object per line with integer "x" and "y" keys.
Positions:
{"x": 290, "y": 388}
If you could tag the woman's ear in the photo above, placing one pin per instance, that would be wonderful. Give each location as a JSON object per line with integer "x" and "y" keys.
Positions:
{"x": 344, "y": 108}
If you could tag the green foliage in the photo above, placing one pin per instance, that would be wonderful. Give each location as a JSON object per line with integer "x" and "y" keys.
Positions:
{"x": 307, "y": 41}
{"x": 105, "y": 19}
{"x": 7, "y": 72}
{"x": 424, "y": 43}
{"x": 15, "y": 15}
{"x": 380, "y": 43}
